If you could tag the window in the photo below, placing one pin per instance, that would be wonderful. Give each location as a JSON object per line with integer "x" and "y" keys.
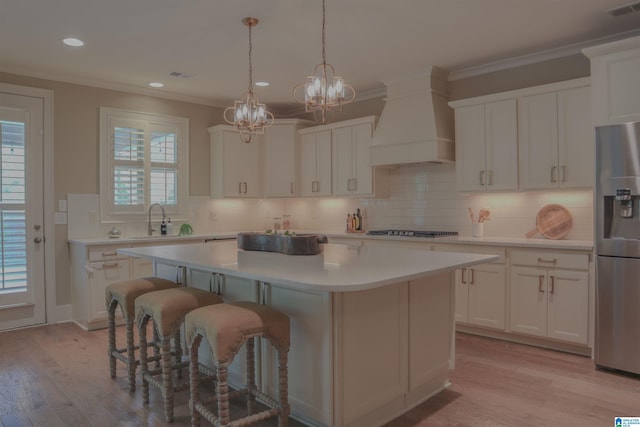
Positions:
{"x": 143, "y": 160}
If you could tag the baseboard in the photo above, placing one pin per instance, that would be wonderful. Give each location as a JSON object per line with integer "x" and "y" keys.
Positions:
{"x": 64, "y": 313}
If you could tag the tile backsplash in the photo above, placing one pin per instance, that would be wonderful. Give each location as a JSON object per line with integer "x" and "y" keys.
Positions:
{"x": 423, "y": 197}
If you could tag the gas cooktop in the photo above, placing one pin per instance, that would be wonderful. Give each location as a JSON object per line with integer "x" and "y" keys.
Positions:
{"x": 412, "y": 233}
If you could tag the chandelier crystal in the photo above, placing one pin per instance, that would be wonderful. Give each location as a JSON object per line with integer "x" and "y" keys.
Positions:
{"x": 249, "y": 117}
{"x": 323, "y": 93}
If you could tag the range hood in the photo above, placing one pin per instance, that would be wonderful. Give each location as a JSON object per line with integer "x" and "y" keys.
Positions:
{"x": 416, "y": 125}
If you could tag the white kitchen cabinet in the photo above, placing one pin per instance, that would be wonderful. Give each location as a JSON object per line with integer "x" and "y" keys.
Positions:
{"x": 280, "y": 147}
{"x": 487, "y": 146}
{"x": 550, "y": 295}
{"x": 480, "y": 290}
{"x": 236, "y": 167}
{"x": 315, "y": 162}
{"x": 615, "y": 68}
{"x": 353, "y": 174}
{"x": 556, "y": 139}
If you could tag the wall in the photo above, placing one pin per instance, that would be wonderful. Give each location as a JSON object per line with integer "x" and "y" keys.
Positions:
{"x": 76, "y": 134}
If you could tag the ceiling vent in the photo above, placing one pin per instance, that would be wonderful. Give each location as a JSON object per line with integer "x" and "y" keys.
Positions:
{"x": 624, "y": 10}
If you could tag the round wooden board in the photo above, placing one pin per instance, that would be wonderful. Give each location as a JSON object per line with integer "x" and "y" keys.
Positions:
{"x": 554, "y": 221}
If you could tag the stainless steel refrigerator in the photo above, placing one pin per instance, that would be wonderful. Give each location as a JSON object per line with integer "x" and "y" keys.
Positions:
{"x": 617, "y": 216}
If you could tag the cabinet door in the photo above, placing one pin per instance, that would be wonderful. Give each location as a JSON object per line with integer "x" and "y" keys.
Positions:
{"x": 342, "y": 149}
{"x": 462, "y": 297}
{"x": 538, "y": 139}
{"x": 487, "y": 294}
{"x": 362, "y": 169}
{"x": 323, "y": 163}
{"x": 528, "y": 301}
{"x": 308, "y": 162}
{"x": 470, "y": 148}
{"x": 251, "y": 169}
{"x": 280, "y": 160}
{"x": 568, "y": 308}
{"x": 232, "y": 164}
{"x": 501, "y": 145}
{"x": 576, "y": 143}
{"x": 141, "y": 267}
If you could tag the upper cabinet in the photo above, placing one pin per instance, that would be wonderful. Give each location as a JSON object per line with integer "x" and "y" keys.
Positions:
{"x": 315, "y": 162}
{"x": 353, "y": 174}
{"x": 280, "y": 147}
{"x": 487, "y": 146}
{"x": 615, "y": 68}
{"x": 236, "y": 167}
{"x": 533, "y": 138}
{"x": 556, "y": 139}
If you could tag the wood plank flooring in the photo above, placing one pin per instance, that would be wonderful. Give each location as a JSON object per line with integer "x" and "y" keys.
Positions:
{"x": 58, "y": 376}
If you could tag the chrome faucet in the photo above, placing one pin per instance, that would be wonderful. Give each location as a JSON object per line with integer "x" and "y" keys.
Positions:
{"x": 150, "y": 228}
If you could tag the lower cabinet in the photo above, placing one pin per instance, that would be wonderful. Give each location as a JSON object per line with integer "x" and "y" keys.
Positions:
{"x": 547, "y": 300}
{"x": 480, "y": 290}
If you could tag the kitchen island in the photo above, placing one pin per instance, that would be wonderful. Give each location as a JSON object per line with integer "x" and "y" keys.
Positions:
{"x": 372, "y": 326}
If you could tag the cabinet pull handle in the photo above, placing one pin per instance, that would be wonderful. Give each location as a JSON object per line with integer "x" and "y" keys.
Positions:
{"x": 564, "y": 173}
{"x": 552, "y": 283}
{"x": 540, "y": 283}
{"x": 317, "y": 186}
{"x": 106, "y": 254}
{"x": 463, "y": 279}
{"x": 292, "y": 188}
{"x": 482, "y": 178}
{"x": 491, "y": 177}
{"x": 245, "y": 187}
{"x": 553, "y": 173}
{"x": 240, "y": 187}
{"x": 355, "y": 184}
{"x": 471, "y": 275}
{"x": 108, "y": 265}
{"x": 550, "y": 261}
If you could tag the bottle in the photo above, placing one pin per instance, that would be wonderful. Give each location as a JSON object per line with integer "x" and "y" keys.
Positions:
{"x": 163, "y": 228}
{"x": 359, "y": 220}
{"x": 349, "y": 223}
{"x": 354, "y": 220}
{"x": 169, "y": 227}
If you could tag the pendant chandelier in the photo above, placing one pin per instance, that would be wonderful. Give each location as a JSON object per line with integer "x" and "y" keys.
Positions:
{"x": 324, "y": 92}
{"x": 248, "y": 116}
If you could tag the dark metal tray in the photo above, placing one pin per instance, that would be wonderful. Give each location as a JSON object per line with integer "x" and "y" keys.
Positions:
{"x": 299, "y": 244}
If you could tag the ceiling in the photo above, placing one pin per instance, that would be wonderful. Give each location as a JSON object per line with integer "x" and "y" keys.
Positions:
{"x": 129, "y": 43}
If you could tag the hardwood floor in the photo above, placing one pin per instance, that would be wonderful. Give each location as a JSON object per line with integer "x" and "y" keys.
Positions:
{"x": 58, "y": 376}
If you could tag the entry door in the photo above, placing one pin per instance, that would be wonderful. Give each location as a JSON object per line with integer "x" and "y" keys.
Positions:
{"x": 22, "y": 285}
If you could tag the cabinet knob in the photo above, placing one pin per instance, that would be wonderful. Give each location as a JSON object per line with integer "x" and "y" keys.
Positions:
{"x": 37, "y": 240}
{"x": 540, "y": 284}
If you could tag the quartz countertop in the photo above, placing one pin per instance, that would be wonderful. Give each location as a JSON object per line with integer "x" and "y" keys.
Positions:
{"x": 341, "y": 267}
{"x": 153, "y": 239}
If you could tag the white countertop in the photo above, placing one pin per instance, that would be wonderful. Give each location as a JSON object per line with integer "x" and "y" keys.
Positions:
{"x": 339, "y": 268}
{"x": 153, "y": 239}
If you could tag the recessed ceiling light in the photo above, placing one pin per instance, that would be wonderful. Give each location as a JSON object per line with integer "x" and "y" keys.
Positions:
{"x": 262, "y": 84}
{"x": 156, "y": 84}
{"x": 72, "y": 41}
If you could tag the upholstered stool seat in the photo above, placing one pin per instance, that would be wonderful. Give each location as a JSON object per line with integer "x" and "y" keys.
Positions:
{"x": 167, "y": 309}
{"x": 124, "y": 294}
{"x": 226, "y": 328}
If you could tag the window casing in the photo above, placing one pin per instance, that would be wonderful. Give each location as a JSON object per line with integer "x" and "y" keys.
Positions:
{"x": 143, "y": 160}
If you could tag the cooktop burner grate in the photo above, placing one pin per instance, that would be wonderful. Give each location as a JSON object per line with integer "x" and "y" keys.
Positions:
{"x": 412, "y": 233}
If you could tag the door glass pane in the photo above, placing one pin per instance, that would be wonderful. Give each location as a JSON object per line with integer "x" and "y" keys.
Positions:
{"x": 13, "y": 255}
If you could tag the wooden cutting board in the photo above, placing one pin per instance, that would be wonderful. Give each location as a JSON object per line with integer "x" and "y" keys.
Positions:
{"x": 553, "y": 222}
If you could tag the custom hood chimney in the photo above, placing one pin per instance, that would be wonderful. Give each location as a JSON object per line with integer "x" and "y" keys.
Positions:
{"x": 416, "y": 124}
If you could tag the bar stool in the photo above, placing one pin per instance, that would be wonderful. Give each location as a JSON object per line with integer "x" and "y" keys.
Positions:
{"x": 167, "y": 309}
{"x": 124, "y": 294}
{"x": 226, "y": 328}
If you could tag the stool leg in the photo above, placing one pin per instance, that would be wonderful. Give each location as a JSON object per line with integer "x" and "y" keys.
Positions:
{"x": 167, "y": 380}
{"x": 283, "y": 388}
{"x": 112, "y": 337}
{"x": 223, "y": 395}
{"x": 144, "y": 362}
{"x": 194, "y": 380}
{"x": 156, "y": 346}
{"x": 251, "y": 375}
{"x": 177, "y": 345}
{"x": 131, "y": 355}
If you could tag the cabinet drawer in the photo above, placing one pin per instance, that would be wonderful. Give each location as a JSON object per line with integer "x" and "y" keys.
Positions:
{"x": 472, "y": 249}
{"x": 548, "y": 259}
{"x": 105, "y": 253}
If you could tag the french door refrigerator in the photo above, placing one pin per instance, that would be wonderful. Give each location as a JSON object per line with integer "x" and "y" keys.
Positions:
{"x": 617, "y": 217}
